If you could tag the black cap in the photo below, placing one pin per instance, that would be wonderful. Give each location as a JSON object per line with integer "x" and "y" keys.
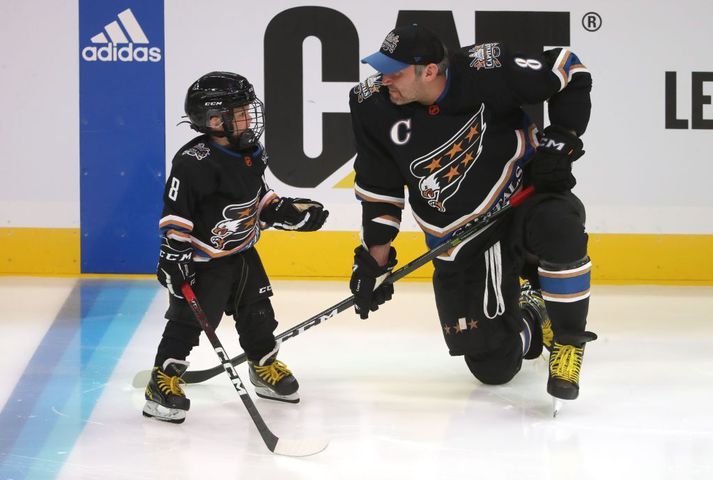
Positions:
{"x": 404, "y": 46}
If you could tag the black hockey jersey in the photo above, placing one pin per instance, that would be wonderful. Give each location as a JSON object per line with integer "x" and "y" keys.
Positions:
{"x": 464, "y": 155}
{"x": 213, "y": 197}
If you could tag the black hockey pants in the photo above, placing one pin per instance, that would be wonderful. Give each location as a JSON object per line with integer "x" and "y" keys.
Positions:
{"x": 477, "y": 293}
{"x": 237, "y": 285}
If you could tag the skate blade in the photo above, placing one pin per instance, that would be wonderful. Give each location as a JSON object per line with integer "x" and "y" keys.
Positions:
{"x": 299, "y": 448}
{"x": 159, "y": 412}
{"x": 266, "y": 393}
{"x": 557, "y": 404}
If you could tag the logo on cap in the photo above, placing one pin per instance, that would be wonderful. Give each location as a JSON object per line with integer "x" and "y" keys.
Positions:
{"x": 390, "y": 42}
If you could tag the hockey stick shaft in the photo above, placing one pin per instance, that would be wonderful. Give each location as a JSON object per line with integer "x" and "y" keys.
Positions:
{"x": 475, "y": 228}
{"x": 280, "y": 446}
{"x": 268, "y": 437}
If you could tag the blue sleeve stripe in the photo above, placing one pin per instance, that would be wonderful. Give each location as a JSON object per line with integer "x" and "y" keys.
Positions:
{"x": 572, "y": 60}
{"x": 174, "y": 227}
{"x": 565, "y": 287}
{"x": 566, "y": 65}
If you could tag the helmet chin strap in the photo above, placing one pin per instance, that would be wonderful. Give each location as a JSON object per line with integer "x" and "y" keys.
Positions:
{"x": 243, "y": 141}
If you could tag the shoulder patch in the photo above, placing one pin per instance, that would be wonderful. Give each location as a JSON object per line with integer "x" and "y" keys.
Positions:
{"x": 200, "y": 151}
{"x": 367, "y": 88}
{"x": 486, "y": 55}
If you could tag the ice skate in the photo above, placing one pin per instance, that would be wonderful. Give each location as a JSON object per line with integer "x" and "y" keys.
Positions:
{"x": 565, "y": 363}
{"x": 273, "y": 380}
{"x": 165, "y": 399}
{"x": 532, "y": 304}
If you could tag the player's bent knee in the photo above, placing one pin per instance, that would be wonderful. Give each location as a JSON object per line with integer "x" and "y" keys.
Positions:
{"x": 557, "y": 234}
{"x": 490, "y": 372}
{"x": 497, "y": 366}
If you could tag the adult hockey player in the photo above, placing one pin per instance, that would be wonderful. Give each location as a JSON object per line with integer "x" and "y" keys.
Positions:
{"x": 450, "y": 128}
{"x": 216, "y": 202}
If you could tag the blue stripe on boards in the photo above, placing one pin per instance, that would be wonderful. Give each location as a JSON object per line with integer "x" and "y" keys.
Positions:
{"x": 121, "y": 133}
{"x": 61, "y": 385}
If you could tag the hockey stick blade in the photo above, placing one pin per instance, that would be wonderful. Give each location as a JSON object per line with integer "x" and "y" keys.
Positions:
{"x": 299, "y": 448}
{"x": 294, "y": 448}
{"x": 141, "y": 379}
{"x": 471, "y": 230}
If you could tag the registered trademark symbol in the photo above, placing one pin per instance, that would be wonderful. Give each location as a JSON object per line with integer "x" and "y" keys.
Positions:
{"x": 592, "y": 21}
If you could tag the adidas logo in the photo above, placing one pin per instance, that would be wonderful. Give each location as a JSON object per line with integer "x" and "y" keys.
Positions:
{"x": 122, "y": 42}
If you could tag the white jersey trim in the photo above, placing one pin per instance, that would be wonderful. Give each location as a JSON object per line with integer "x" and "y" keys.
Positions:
{"x": 451, "y": 254}
{"x": 387, "y": 221}
{"x": 574, "y": 272}
{"x": 177, "y": 221}
{"x": 565, "y": 298}
{"x": 558, "y": 68}
{"x": 375, "y": 197}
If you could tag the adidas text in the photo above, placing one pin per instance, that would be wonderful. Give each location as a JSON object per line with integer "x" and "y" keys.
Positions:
{"x": 127, "y": 53}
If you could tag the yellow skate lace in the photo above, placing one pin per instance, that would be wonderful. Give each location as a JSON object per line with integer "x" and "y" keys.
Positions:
{"x": 565, "y": 362}
{"x": 169, "y": 384}
{"x": 272, "y": 373}
{"x": 547, "y": 334}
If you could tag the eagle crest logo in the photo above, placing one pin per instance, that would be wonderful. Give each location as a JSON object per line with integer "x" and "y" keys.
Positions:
{"x": 238, "y": 224}
{"x": 442, "y": 171}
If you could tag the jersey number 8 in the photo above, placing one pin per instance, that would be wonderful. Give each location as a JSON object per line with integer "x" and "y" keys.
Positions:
{"x": 173, "y": 191}
{"x": 528, "y": 63}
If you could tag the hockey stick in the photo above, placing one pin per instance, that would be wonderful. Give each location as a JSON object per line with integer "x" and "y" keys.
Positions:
{"x": 280, "y": 446}
{"x": 473, "y": 229}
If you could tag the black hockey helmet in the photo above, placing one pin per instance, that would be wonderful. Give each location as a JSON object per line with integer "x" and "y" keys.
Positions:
{"x": 216, "y": 94}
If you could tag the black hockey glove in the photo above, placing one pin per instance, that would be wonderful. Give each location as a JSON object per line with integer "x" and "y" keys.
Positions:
{"x": 175, "y": 265}
{"x": 365, "y": 273}
{"x": 299, "y": 214}
{"x": 552, "y": 163}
